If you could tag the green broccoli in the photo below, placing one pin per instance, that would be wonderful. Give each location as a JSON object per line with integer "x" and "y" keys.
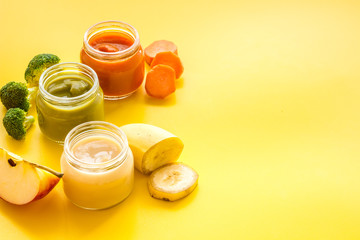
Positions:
{"x": 16, "y": 95}
{"x": 36, "y": 67}
{"x": 17, "y": 123}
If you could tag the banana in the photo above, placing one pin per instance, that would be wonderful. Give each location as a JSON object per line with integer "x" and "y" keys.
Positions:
{"x": 172, "y": 182}
{"x": 152, "y": 146}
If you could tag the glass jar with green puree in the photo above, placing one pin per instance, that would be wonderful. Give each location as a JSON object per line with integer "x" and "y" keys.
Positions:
{"x": 69, "y": 94}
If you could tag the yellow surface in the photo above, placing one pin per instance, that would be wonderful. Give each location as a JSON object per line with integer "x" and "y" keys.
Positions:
{"x": 268, "y": 109}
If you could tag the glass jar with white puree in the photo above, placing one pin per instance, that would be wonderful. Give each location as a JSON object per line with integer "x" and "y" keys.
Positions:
{"x": 98, "y": 165}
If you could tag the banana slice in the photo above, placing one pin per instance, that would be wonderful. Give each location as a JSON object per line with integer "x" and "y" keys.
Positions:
{"x": 172, "y": 182}
{"x": 152, "y": 146}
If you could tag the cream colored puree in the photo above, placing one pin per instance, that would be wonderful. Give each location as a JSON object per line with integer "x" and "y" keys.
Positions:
{"x": 96, "y": 150}
{"x": 97, "y": 190}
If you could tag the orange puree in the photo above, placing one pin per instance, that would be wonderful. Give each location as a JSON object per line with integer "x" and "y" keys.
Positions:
{"x": 119, "y": 73}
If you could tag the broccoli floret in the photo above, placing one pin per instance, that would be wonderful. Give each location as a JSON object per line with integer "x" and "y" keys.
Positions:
{"x": 36, "y": 67}
{"x": 17, "y": 123}
{"x": 16, "y": 95}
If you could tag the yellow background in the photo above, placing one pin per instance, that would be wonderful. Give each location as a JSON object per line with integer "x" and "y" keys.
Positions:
{"x": 268, "y": 109}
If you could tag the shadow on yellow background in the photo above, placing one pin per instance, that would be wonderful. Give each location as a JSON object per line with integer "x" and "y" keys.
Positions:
{"x": 54, "y": 214}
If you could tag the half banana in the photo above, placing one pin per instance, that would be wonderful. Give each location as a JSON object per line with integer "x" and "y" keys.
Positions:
{"x": 152, "y": 146}
{"x": 172, "y": 182}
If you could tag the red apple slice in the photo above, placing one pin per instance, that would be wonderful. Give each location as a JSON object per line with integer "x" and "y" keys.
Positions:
{"x": 22, "y": 182}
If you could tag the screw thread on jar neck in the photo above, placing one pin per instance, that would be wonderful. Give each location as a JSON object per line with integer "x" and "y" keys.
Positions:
{"x": 63, "y": 70}
{"x": 89, "y": 129}
{"x": 115, "y": 27}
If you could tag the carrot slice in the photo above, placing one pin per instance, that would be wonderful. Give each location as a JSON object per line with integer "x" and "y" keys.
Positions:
{"x": 159, "y": 46}
{"x": 170, "y": 59}
{"x": 160, "y": 81}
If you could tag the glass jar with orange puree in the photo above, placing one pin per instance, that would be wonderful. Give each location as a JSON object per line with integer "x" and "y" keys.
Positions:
{"x": 113, "y": 50}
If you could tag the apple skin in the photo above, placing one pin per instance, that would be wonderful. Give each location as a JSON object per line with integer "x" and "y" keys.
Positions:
{"x": 47, "y": 182}
{"x": 22, "y": 182}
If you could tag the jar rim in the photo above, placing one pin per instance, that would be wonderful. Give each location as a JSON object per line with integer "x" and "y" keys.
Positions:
{"x": 88, "y": 127}
{"x": 105, "y": 26}
{"x": 53, "y": 69}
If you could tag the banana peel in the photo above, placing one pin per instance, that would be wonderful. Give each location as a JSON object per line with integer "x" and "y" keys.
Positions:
{"x": 152, "y": 146}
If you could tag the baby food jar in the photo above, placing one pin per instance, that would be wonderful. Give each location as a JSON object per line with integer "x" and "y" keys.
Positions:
{"x": 113, "y": 50}
{"x": 98, "y": 165}
{"x": 69, "y": 94}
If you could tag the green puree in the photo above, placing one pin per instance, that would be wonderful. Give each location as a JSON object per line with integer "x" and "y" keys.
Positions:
{"x": 68, "y": 88}
{"x": 76, "y": 105}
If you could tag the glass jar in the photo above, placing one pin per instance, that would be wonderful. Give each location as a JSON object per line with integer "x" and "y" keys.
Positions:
{"x": 58, "y": 115}
{"x": 113, "y": 50}
{"x": 97, "y": 185}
